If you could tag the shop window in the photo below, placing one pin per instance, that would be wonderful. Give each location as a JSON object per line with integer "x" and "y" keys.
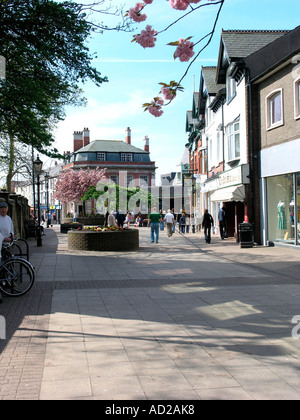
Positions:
{"x": 275, "y": 109}
{"x": 281, "y": 208}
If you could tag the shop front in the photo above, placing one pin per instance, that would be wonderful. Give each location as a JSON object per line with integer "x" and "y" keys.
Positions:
{"x": 281, "y": 194}
{"x": 283, "y": 209}
{"x": 228, "y": 190}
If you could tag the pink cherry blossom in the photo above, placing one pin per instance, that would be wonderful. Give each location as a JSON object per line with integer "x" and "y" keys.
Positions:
{"x": 135, "y": 13}
{"x": 150, "y": 1}
{"x": 184, "y": 50}
{"x": 155, "y": 107}
{"x": 167, "y": 93}
{"x": 179, "y": 4}
{"x": 147, "y": 37}
{"x": 71, "y": 185}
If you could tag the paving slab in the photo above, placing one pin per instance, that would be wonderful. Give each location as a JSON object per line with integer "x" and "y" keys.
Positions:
{"x": 180, "y": 320}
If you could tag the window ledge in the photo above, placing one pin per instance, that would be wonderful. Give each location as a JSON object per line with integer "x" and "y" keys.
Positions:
{"x": 233, "y": 162}
{"x": 231, "y": 99}
{"x": 279, "y": 124}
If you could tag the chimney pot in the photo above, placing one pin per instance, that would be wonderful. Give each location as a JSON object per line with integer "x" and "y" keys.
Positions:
{"x": 146, "y": 144}
{"x": 128, "y": 135}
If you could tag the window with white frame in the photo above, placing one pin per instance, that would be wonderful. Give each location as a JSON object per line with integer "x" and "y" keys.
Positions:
{"x": 230, "y": 88}
{"x": 126, "y": 157}
{"x": 233, "y": 140}
{"x": 218, "y": 149}
{"x": 297, "y": 98}
{"x": 274, "y": 109}
{"x": 101, "y": 156}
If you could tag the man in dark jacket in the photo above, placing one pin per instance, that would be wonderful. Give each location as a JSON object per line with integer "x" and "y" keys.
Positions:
{"x": 222, "y": 222}
{"x": 207, "y": 223}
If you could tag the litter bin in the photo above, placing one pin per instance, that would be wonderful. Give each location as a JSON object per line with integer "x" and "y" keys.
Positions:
{"x": 246, "y": 235}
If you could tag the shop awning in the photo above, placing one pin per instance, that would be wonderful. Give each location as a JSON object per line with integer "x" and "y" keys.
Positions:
{"x": 235, "y": 193}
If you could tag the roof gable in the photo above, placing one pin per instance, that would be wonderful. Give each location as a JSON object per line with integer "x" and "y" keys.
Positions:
{"x": 110, "y": 146}
{"x": 236, "y": 45}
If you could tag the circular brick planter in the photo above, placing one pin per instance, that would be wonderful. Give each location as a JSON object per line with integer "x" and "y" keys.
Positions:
{"x": 122, "y": 240}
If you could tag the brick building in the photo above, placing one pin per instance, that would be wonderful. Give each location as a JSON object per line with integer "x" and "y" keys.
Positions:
{"x": 125, "y": 164}
{"x": 274, "y": 107}
{"x": 221, "y": 130}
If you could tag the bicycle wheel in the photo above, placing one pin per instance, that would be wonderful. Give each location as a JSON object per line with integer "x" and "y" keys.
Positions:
{"x": 17, "y": 277}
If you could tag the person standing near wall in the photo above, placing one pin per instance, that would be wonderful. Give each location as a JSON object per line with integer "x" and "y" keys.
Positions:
{"x": 6, "y": 224}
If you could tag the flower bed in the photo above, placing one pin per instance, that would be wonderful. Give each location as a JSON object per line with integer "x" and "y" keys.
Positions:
{"x": 65, "y": 227}
{"x": 104, "y": 239}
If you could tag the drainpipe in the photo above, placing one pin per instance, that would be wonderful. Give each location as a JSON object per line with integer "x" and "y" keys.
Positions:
{"x": 223, "y": 137}
{"x": 251, "y": 160}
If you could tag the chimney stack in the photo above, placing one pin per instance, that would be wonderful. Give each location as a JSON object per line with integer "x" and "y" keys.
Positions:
{"x": 86, "y": 137}
{"x": 146, "y": 144}
{"x": 77, "y": 140}
{"x": 81, "y": 139}
{"x": 128, "y": 135}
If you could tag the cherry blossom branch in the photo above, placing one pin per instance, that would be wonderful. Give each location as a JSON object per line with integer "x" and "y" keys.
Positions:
{"x": 184, "y": 50}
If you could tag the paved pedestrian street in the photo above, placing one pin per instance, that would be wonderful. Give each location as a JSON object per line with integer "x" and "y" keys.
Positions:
{"x": 178, "y": 320}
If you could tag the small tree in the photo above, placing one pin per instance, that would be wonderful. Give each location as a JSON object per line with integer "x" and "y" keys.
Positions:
{"x": 72, "y": 184}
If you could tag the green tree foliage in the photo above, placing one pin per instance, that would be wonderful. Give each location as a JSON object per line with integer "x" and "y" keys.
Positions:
{"x": 43, "y": 43}
{"x": 135, "y": 196}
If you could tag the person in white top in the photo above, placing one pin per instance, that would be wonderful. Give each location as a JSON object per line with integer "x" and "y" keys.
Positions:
{"x": 6, "y": 224}
{"x": 169, "y": 219}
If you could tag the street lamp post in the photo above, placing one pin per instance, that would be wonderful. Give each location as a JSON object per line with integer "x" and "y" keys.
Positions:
{"x": 47, "y": 177}
{"x": 38, "y": 164}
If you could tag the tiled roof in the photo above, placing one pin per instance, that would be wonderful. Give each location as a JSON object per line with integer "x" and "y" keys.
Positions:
{"x": 241, "y": 43}
{"x": 113, "y": 146}
{"x": 209, "y": 74}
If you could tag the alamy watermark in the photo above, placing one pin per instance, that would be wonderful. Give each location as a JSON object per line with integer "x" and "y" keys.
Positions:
{"x": 296, "y": 329}
{"x": 139, "y": 201}
{"x": 2, "y": 67}
{"x": 2, "y": 328}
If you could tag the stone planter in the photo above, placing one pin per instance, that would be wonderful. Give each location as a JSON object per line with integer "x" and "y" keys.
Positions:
{"x": 65, "y": 227}
{"x": 119, "y": 240}
{"x": 87, "y": 221}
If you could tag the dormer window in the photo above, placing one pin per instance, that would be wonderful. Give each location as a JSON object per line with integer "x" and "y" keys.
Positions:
{"x": 126, "y": 157}
{"x": 101, "y": 156}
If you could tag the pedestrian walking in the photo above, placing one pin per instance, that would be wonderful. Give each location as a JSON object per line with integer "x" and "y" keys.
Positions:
{"x": 161, "y": 223}
{"x": 222, "y": 222}
{"x": 187, "y": 223}
{"x": 182, "y": 222}
{"x": 49, "y": 218}
{"x": 173, "y": 227}
{"x": 153, "y": 222}
{"x": 193, "y": 223}
{"x": 170, "y": 222}
{"x": 207, "y": 223}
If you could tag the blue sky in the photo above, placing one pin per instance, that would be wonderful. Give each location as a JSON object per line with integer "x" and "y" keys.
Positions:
{"x": 134, "y": 74}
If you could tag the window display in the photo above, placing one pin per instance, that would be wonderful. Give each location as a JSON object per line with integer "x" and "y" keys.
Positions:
{"x": 281, "y": 205}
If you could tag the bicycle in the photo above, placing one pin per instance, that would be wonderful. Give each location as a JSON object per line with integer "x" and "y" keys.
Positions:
{"x": 17, "y": 276}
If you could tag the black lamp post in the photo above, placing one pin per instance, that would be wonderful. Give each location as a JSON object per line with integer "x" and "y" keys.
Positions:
{"x": 37, "y": 165}
{"x": 47, "y": 177}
